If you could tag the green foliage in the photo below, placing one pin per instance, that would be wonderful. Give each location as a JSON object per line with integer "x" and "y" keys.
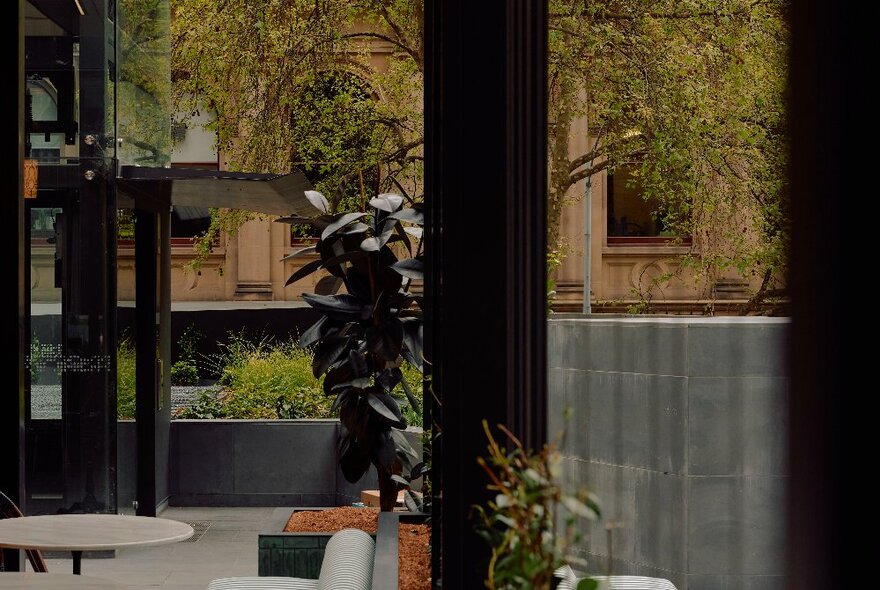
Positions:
{"x": 126, "y": 378}
{"x": 687, "y": 95}
{"x": 313, "y": 100}
{"x": 143, "y": 88}
{"x": 184, "y": 373}
{"x": 690, "y": 97}
{"x": 262, "y": 380}
{"x": 522, "y": 523}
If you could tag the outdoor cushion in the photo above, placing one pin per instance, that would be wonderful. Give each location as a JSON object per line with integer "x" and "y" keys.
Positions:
{"x": 348, "y": 561}
{"x": 347, "y": 565}
{"x": 570, "y": 580}
{"x": 264, "y": 583}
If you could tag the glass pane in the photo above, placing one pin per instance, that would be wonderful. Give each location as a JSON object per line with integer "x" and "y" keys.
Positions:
{"x": 71, "y": 422}
{"x": 144, "y": 88}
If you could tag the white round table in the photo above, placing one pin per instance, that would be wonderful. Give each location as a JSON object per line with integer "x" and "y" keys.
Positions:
{"x": 89, "y": 532}
{"x": 31, "y": 580}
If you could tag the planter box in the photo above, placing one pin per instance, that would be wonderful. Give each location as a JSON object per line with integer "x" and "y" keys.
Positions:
{"x": 297, "y": 555}
{"x": 386, "y": 562}
{"x": 262, "y": 463}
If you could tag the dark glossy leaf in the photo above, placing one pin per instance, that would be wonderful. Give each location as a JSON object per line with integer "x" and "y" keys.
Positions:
{"x": 341, "y": 221}
{"x": 344, "y": 306}
{"x": 386, "y": 339}
{"x": 337, "y": 261}
{"x": 415, "y": 232}
{"x": 300, "y": 252}
{"x": 410, "y": 216}
{"x": 371, "y": 245}
{"x": 411, "y": 268}
{"x": 294, "y": 220}
{"x": 304, "y": 271}
{"x": 336, "y": 377}
{"x": 409, "y": 394}
{"x": 384, "y": 452}
{"x": 412, "y": 501}
{"x": 413, "y": 339}
{"x": 345, "y": 401}
{"x": 389, "y": 378}
{"x": 387, "y": 202}
{"x": 403, "y": 444}
{"x": 357, "y": 284}
{"x": 416, "y": 471}
{"x": 354, "y": 228}
{"x": 358, "y": 362}
{"x": 403, "y": 237}
{"x": 386, "y": 406}
{"x": 314, "y": 333}
{"x": 318, "y": 201}
{"x": 355, "y": 462}
{"x": 400, "y": 480}
{"x": 328, "y": 286}
{"x": 327, "y": 352}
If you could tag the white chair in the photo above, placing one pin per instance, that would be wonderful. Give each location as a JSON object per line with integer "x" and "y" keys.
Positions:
{"x": 570, "y": 581}
{"x": 347, "y": 565}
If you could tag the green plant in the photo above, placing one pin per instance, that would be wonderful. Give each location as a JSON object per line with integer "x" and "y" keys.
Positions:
{"x": 265, "y": 380}
{"x": 206, "y": 406}
{"x": 522, "y": 523}
{"x": 188, "y": 344}
{"x": 126, "y": 378}
{"x": 184, "y": 373}
{"x": 366, "y": 334}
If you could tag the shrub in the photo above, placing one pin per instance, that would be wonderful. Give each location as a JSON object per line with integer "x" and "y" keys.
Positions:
{"x": 125, "y": 379}
{"x": 265, "y": 380}
{"x": 184, "y": 373}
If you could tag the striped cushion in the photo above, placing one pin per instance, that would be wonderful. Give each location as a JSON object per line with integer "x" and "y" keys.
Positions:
{"x": 264, "y": 583}
{"x": 347, "y": 565}
{"x": 570, "y": 581}
{"x": 348, "y": 561}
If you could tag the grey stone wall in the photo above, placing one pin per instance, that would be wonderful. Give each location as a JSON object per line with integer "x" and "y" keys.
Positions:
{"x": 679, "y": 426}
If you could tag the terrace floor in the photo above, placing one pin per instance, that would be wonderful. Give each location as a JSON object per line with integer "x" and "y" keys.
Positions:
{"x": 227, "y": 547}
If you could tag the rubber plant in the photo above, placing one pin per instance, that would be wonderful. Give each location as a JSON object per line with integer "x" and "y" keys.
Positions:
{"x": 366, "y": 332}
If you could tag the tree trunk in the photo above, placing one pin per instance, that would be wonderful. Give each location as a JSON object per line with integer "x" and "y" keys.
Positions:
{"x": 387, "y": 490}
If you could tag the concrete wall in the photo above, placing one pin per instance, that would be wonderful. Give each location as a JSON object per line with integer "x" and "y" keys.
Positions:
{"x": 261, "y": 463}
{"x": 679, "y": 426}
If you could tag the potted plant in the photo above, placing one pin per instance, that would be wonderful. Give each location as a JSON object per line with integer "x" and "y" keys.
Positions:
{"x": 366, "y": 332}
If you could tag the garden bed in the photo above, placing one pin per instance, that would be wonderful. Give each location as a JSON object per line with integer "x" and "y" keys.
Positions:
{"x": 294, "y": 543}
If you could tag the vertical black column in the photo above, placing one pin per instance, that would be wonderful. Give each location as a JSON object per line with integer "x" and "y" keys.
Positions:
{"x": 146, "y": 242}
{"x": 485, "y": 112}
{"x": 833, "y": 124}
{"x": 12, "y": 243}
{"x": 89, "y": 417}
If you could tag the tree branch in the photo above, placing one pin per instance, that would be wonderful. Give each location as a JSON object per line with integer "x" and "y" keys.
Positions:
{"x": 394, "y": 42}
{"x": 683, "y": 15}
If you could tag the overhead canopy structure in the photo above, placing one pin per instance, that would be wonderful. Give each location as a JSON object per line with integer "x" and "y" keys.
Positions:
{"x": 156, "y": 188}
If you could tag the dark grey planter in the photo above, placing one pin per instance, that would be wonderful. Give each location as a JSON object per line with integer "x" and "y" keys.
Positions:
{"x": 262, "y": 463}
{"x": 297, "y": 555}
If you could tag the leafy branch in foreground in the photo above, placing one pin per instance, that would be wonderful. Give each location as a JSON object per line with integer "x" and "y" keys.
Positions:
{"x": 522, "y": 524}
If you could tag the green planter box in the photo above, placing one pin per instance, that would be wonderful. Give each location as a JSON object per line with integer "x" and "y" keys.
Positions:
{"x": 297, "y": 555}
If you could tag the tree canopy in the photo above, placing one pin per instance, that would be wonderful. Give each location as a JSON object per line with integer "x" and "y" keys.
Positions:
{"x": 688, "y": 94}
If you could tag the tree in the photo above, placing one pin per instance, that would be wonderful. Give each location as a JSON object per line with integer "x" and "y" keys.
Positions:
{"x": 690, "y": 96}
{"x": 687, "y": 93}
